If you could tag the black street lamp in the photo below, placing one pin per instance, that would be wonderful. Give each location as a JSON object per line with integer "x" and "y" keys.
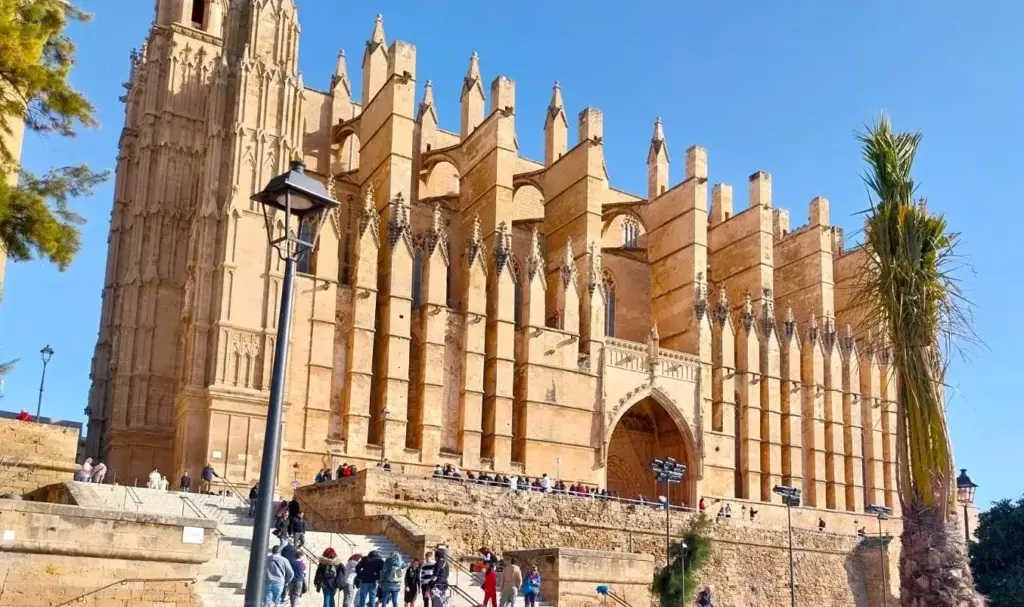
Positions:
{"x": 882, "y": 512}
{"x": 791, "y": 496}
{"x": 965, "y": 489}
{"x": 302, "y": 204}
{"x": 46, "y": 353}
{"x": 668, "y": 471}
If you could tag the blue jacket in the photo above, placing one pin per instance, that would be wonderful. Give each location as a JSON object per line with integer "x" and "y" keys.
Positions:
{"x": 291, "y": 554}
{"x": 393, "y": 564}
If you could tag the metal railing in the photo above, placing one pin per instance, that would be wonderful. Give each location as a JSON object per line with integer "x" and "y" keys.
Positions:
{"x": 351, "y": 545}
{"x": 129, "y": 492}
{"x": 121, "y": 582}
{"x": 456, "y": 588}
{"x": 186, "y": 501}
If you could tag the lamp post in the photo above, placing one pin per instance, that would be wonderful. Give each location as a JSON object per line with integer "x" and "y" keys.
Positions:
{"x": 965, "y": 489}
{"x": 384, "y": 413}
{"x": 668, "y": 471}
{"x": 682, "y": 564}
{"x": 46, "y": 353}
{"x": 791, "y": 497}
{"x": 882, "y": 512}
{"x": 302, "y": 204}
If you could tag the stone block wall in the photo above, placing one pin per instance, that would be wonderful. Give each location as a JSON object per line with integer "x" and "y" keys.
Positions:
{"x": 749, "y": 565}
{"x": 54, "y": 554}
{"x": 569, "y": 577}
{"x": 35, "y": 455}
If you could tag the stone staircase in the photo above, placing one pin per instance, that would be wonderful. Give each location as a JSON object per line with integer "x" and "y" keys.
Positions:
{"x": 222, "y": 579}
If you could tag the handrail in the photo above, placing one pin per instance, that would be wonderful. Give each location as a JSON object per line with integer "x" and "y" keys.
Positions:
{"x": 234, "y": 489}
{"x": 350, "y": 543}
{"x": 128, "y": 580}
{"x": 199, "y": 511}
{"x": 130, "y": 492}
{"x": 621, "y": 601}
{"x": 465, "y": 595}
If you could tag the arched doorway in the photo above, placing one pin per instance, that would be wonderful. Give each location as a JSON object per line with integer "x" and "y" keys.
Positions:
{"x": 646, "y": 431}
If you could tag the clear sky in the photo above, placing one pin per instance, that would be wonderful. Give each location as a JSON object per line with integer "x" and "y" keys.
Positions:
{"x": 780, "y": 89}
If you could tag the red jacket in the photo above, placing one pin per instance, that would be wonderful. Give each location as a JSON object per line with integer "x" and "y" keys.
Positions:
{"x": 490, "y": 581}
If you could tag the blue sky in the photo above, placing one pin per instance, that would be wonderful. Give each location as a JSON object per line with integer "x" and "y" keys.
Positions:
{"x": 781, "y": 90}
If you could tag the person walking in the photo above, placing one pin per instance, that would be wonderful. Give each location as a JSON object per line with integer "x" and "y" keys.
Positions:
{"x": 85, "y": 474}
{"x": 206, "y": 483}
{"x": 490, "y": 585}
{"x": 329, "y": 574}
{"x": 368, "y": 576}
{"x": 439, "y": 591}
{"x": 412, "y": 583}
{"x": 531, "y": 587}
{"x": 254, "y": 495}
{"x": 511, "y": 582}
{"x": 279, "y": 574}
{"x": 185, "y": 483}
{"x": 297, "y": 528}
{"x": 297, "y": 586}
{"x": 99, "y": 473}
{"x": 391, "y": 579}
{"x": 427, "y": 578}
{"x": 348, "y": 584}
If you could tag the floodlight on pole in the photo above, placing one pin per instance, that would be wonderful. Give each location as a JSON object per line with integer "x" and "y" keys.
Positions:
{"x": 668, "y": 471}
{"x": 791, "y": 497}
{"x": 882, "y": 513}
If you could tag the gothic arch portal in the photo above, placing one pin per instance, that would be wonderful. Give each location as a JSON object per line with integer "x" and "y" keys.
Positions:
{"x": 650, "y": 427}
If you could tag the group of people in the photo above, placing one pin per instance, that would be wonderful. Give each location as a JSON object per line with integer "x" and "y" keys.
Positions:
{"x": 344, "y": 471}
{"x": 373, "y": 581}
{"x": 542, "y": 484}
{"x": 290, "y": 525}
{"x": 512, "y": 582}
{"x": 286, "y": 576}
{"x": 91, "y": 474}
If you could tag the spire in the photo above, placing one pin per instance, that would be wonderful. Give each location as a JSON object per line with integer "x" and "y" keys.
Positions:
{"x": 593, "y": 267}
{"x": 398, "y": 223}
{"x": 568, "y": 270}
{"x": 789, "y": 326}
{"x": 330, "y": 186}
{"x": 848, "y": 341}
{"x": 369, "y": 218}
{"x": 556, "y": 128}
{"x": 502, "y": 248}
{"x": 658, "y": 143}
{"x": 767, "y": 311}
{"x": 812, "y": 329}
{"x": 534, "y": 257}
{"x": 474, "y": 67}
{"x": 557, "y": 106}
{"x": 472, "y": 98}
{"x": 437, "y": 234}
{"x": 377, "y": 37}
{"x": 828, "y": 334}
{"x": 475, "y": 242}
{"x": 340, "y": 72}
{"x": 427, "y": 105}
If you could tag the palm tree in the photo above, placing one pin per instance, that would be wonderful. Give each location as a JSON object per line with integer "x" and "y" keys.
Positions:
{"x": 912, "y": 297}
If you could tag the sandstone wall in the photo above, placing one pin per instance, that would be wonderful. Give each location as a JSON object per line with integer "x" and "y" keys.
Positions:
{"x": 569, "y": 577}
{"x": 53, "y": 554}
{"x": 749, "y": 565}
{"x": 35, "y": 455}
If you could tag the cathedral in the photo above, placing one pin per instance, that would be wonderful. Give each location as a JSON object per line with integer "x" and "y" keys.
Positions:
{"x": 464, "y": 304}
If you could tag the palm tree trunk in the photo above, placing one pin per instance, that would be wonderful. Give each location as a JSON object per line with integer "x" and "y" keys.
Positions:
{"x": 935, "y": 570}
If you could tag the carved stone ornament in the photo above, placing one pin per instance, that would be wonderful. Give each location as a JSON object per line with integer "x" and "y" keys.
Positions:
{"x": 535, "y": 257}
{"x": 747, "y": 315}
{"x": 398, "y": 223}
{"x": 700, "y": 296}
{"x": 789, "y": 326}
{"x": 767, "y": 311}
{"x": 722, "y": 307}
{"x": 568, "y": 271}
{"x": 475, "y": 242}
{"x": 594, "y": 275}
{"x": 502, "y": 248}
{"x": 369, "y": 219}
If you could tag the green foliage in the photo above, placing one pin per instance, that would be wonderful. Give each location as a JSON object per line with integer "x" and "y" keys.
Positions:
{"x": 910, "y": 294}
{"x": 668, "y": 582}
{"x": 997, "y": 557}
{"x": 35, "y": 60}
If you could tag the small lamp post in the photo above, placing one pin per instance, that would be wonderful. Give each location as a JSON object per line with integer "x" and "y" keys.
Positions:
{"x": 965, "y": 489}
{"x": 302, "y": 204}
{"x": 882, "y": 512}
{"x": 791, "y": 497}
{"x": 46, "y": 353}
{"x": 668, "y": 471}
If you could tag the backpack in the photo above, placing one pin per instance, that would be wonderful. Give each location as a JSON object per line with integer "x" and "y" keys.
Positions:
{"x": 396, "y": 575}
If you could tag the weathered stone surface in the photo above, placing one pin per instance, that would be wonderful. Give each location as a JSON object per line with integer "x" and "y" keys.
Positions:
{"x": 35, "y": 455}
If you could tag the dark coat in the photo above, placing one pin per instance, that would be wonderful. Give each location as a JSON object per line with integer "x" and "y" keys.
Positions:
{"x": 330, "y": 574}
{"x": 368, "y": 570}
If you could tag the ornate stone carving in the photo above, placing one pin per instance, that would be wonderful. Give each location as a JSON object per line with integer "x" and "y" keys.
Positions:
{"x": 812, "y": 329}
{"x": 437, "y": 236}
{"x": 369, "y": 218}
{"x": 789, "y": 326}
{"x": 568, "y": 271}
{"x": 747, "y": 314}
{"x": 398, "y": 223}
{"x": 502, "y": 248}
{"x": 828, "y": 333}
{"x": 848, "y": 341}
{"x": 594, "y": 275}
{"x": 700, "y": 296}
{"x": 535, "y": 257}
{"x": 722, "y": 307}
{"x": 767, "y": 311}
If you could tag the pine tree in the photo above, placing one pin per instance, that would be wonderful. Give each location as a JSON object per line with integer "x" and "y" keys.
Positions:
{"x": 36, "y": 57}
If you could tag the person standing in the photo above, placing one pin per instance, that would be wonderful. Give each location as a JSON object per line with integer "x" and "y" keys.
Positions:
{"x": 154, "y": 479}
{"x": 490, "y": 586}
{"x": 254, "y": 494}
{"x": 368, "y": 575}
{"x": 531, "y": 587}
{"x": 348, "y": 584}
{"x": 279, "y": 574}
{"x": 328, "y": 575}
{"x": 412, "y": 583}
{"x": 427, "y": 578}
{"x": 439, "y": 591}
{"x": 704, "y": 598}
{"x": 391, "y": 579}
{"x": 511, "y": 581}
{"x": 206, "y": 484}
{"x": 85, "y": 474}
{"x": 185, "y": 483}
{"x": 99, "y": 473}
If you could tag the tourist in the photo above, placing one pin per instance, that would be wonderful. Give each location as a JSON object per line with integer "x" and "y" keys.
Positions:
{"x": 85, "y": 474}
{"x": 254, "y": 494}
{"x": 154, "y": 479}
{"x": 391, "y": 579}
{"x": 490, "y": 586}
{"x": 206, "y": 482}
{"x": 99, "y": 473}
{"x": 368, "y": 576}
{"x": 294, "y": 507}
{"x": 185, "y": 483}
{"x": 728, "y": 511}
{"x": 513, "y": 482}
{"x": 279, "y": 574}
{"x": 441, "y": 570}
{"x": 701, "y": 505}
{"x": 412, "y": 583}
{"x": 348, "y": 583}
{"x": 164, "y": 483}
{"x": 704, "y": 597}
{"x": 438, "y": 472}
{"x": 487, "y": 557}
{"x": 821, "y": 524}
{"x": 329, "y": 576}
{"x": 427, "y": 578}
{"x": 545, "y": 483}
{"x": 511, "y": 581}
{"x": 385, "y": 466}
{"x": 531, "y": 587}
{"x": 297, "y": 527}
{"x": 297, "y": 585}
